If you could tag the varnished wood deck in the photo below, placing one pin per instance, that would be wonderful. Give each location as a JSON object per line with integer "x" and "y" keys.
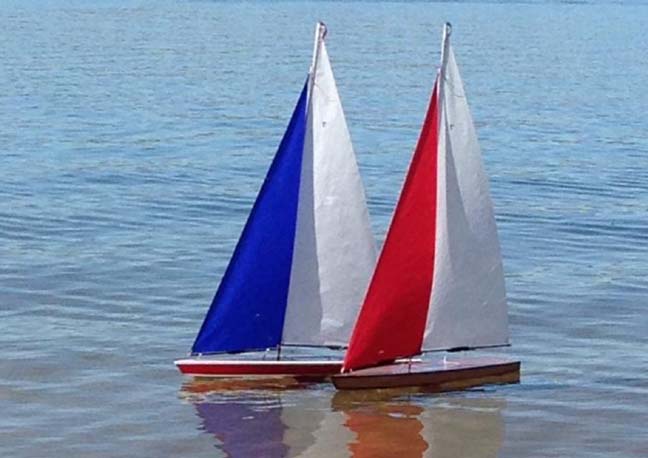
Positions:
{"x": 438, "y": 376}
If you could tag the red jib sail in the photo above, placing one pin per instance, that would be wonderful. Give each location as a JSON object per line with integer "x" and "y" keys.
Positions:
{"x": 394, "y": 313}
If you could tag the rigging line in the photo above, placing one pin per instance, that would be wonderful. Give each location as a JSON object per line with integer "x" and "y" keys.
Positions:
{"x": 465, "y": 348}
{"x": 332, "y": 347}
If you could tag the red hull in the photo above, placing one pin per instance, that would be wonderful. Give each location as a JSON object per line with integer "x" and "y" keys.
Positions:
{"x": 251, "y": 368}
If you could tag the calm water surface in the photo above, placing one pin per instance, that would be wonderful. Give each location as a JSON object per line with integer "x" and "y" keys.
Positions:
{"x": 134, "y": 136}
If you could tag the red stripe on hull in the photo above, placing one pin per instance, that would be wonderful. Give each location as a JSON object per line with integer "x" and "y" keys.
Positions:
{"x": 249, "y": 369}
{"x": 392, "y": 319}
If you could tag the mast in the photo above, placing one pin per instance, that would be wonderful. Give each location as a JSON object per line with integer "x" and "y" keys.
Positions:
{"x": 467, "y": 307}
{"x": 445, "y": 48}
{"x": 320, "y": 34}
{"x": 335, "y": 249}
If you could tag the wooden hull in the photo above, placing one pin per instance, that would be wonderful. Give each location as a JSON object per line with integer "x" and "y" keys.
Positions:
{"x": 259, "y": 368}
{"x": 433, "y": 376}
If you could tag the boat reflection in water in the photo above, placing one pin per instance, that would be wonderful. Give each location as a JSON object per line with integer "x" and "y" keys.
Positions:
{"x": 288, "y": 419}
{"x": 382, "y": 427}
{"x": 388, "y": 423}
{"x": 269, "y": 418}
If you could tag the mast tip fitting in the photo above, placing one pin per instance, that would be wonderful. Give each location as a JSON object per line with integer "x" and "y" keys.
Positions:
{"x": 323, "y": 29}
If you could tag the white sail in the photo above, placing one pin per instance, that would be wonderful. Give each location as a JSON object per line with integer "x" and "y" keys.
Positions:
{"x": 468, "y": 301}
{"x": 335, "y": 252}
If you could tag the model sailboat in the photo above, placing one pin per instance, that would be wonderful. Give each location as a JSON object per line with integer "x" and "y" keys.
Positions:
{"x": 304, "y": 259}
{"x": 439, "y": 282}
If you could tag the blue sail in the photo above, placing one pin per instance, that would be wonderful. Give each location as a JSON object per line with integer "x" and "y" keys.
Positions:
{"x": 248, "y": 310}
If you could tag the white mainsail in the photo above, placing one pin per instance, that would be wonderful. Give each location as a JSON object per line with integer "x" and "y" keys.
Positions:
{"x": 335, "y": 250}
{"x": 468, "y": 302}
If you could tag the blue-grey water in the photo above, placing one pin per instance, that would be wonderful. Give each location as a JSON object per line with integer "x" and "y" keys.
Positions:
{"x": 134, "y": 136}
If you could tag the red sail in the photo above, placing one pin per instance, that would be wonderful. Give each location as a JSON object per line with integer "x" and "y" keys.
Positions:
{"x": 393, "y": 316}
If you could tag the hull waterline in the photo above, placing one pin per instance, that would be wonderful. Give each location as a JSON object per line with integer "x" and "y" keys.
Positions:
{"x": 259, "y": 368}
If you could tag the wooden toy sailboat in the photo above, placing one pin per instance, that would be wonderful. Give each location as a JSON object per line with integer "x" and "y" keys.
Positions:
{"x": 304, "y": 259}
{"x": 439, "y": 282}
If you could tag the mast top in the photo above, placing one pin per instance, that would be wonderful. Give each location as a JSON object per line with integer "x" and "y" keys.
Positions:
{"x": 447, "y": 29}
{"x": 320, "y": 34}
{"x": 321, "y": 30}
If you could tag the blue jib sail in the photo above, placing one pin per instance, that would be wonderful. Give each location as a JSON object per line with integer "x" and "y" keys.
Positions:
{"x": 248, "y": 310}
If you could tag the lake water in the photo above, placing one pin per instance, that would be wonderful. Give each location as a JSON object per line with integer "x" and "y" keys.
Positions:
{"x": 134, "y": 136}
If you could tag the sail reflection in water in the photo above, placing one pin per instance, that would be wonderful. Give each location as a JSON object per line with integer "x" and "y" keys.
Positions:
{"x": 269, "y": 422}
{"x": 250, "y": 426}
{"x": 314, "y": 422}
{"x": 469, "y": 428}
{"x": 386, "y": 429}
{"x": 407, "y": 427}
